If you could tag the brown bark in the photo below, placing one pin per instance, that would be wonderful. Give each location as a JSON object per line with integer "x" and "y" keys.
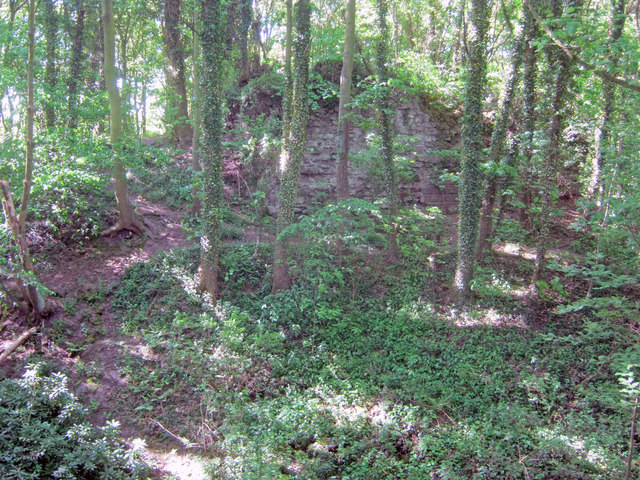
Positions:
{"x": 127, "y": 219}
{"x": 176, "y": 71}
{"x": 28, "y": 291}
{"x": 344, "y": 122}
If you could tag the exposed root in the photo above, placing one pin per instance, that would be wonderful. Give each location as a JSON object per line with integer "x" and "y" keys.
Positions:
{"x": 134, "y": 227}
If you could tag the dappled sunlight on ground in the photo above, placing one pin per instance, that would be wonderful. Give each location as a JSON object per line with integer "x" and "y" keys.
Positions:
{"x": 526, "y": 252}
{"x": 596, "y": 456}
{"x": 488, "y": 317}
{"x": 180, "y": 466}
{"x": 119, "y": 264}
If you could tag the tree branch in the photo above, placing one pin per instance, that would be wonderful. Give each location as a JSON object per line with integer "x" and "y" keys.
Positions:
{"x": 573, "y": 56}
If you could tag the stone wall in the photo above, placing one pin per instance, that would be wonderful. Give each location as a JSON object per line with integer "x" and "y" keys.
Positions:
{"x": 423, "y": 134}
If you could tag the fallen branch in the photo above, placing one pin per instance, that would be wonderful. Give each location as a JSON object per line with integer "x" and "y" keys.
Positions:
{"x": 573, "y": 56}
{"x": 184, "y": 441}
{"x": 16, "y": 343}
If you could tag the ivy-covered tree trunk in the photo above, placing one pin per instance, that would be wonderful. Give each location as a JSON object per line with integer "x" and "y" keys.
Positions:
{"x": 213, "y": 49}
{"x": 472, "y": 134}
{"x": 344, "y": 122}
{"x": 176, "y": 70}
{"x": 560, "y": 77}
{"x": 246, "y": 15}
{"x": 384, "y": 113}
{"x": 287, "y": 100}
{"x": 603, "y": 133}
{"x": 77, "y": 45}
{"x": 290, "y": 169}
{"x": 127, "y": 219}
{"x": 498, "y": 139}
{"x": 529, "y": 79}
{"x": 196, "y": 110}
{"x": 50, "y": 74}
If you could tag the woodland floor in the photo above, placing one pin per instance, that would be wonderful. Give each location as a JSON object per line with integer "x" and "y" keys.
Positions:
{"x": 81, "y": 315}
{"x": 84, "y": 337}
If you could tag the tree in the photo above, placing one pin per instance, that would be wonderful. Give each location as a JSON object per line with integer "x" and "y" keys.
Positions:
{"x": 384, "y": 113}
{"x": 18, "y": 222}
{"x": 50, "y": 77}
{"x": 76, "y": 63}
{"x": 126, "y": 216}
{"x": 196, "y": 109}
{"x": 290, "y": 169}
{"x": 213, "y": 48}
{"x": 499, "y": 136}
{"x": 176, "y": 69}
{"x": 472, "y": 132}
{"x": 559, "y": 76}
{"x": 344, "y": 122}
{"x": 603, "y": 134}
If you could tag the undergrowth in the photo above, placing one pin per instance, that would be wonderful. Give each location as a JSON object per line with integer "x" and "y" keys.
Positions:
{"x": 44, "y": 433}
{"x": 358, "y": 372}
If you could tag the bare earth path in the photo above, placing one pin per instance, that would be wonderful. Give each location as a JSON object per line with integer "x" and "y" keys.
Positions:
{"x": 84, "y": 335}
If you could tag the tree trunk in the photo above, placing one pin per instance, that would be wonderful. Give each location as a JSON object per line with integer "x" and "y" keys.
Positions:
{"x": 126, "y": 217}
{"x": 50, "y": 76}
{"x": 472, "y": 133}
{"x": 290, "y": 170}
{"x": 498, "y": 140}
{"x": 529, "y": 113}
{"x": 18, "y": 223}
{"x": 384, "y": 113}
{"x": 213, "y": 48}
{"x": 196, "y": 111}
{"x": 176, "y": 71}
{"x": 246, "y": 15}
{"x": 551, "y": 160}
{"x": 77, "y": 43}
{"x": 603, "y": 134}
{"x": 344, "y": 122}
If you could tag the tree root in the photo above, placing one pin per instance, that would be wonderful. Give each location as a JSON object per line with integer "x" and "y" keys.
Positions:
{"x": 136, "y": 227}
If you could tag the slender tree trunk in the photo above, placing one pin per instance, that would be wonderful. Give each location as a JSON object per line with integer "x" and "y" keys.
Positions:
{"x": 144, "y": 109}
{"x": 529, "y": 111}
{"x": 213, "y": 48}
{"x": 290, "y": 171}
{"x": 77, "y": 44}
{"x": 384, "y": 112}
{"x": 18, "y": 222}
{"x": 344, "y": 122}
{"x": 126, "y": 217}
{"x": 176, "y": 77}
{"x": 499, "y": 137}
{"x": 561, "y": 64}
{"x": 287, "y": 102}
{"x": 603, "y": 133}
{"x": 246, "y": 15}
{"x": 125, "y": 99}
{"x": 50, "y": 76}
{"x": 472, "y": 134}
{"x": 196, "y": 110}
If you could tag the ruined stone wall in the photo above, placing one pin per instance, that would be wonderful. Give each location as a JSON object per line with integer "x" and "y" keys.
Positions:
{"x": 423, "y": 135}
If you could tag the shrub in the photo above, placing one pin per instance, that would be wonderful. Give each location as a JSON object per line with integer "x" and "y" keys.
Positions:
{"x": 44, "y": 433}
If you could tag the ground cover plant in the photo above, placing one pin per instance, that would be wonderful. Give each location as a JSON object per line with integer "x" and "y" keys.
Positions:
{"x": 319, "y": 239}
